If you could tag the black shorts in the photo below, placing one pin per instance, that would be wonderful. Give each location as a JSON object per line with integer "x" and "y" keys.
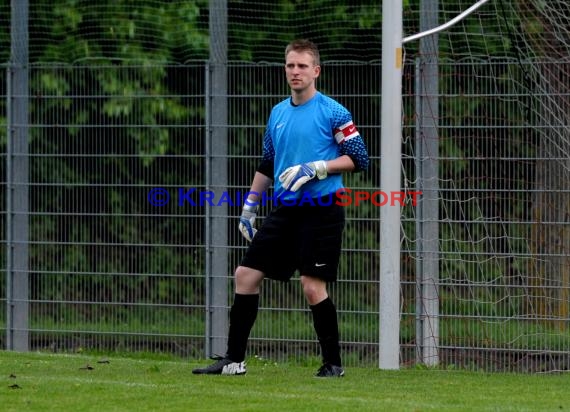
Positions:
{"x": 306, "y": 238}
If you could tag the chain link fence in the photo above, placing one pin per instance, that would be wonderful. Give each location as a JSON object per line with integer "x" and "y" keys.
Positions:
{"x": 132, "y": 218}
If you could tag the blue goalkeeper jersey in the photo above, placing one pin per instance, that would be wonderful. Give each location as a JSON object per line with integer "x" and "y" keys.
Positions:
{"x": 319, "y": 129}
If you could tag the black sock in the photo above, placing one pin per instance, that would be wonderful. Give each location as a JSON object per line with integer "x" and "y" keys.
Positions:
{"x": 242, "y": 317}
{"x": 326, "y": 326}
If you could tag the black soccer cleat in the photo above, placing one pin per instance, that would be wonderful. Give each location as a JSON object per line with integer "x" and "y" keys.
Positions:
{"x": 223, "y": 366}
{"x": 330, "y": 371}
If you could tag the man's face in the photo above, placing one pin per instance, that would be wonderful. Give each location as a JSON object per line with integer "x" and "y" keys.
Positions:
{"x": 301, "y": 71}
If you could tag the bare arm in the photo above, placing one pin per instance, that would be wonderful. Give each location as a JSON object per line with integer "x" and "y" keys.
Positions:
{"x": 341, "y": 164}
{"x": 260, "y": 184}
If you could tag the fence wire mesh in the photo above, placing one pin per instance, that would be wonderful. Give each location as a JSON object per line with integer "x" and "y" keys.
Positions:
{"x": 110, "y": 270}
{"x": 123, "y": 166}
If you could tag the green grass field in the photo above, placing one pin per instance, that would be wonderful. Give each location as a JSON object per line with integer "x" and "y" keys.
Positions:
{"x": 56, "y": 382}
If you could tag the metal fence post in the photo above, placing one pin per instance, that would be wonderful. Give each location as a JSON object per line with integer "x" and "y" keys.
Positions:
{"x": 17, "y": 175}
{"x": 428, "y": 206}
{"x": 217, "y": 176}
{"x": 419, "y": 217}
{"x": 427, "y": 216}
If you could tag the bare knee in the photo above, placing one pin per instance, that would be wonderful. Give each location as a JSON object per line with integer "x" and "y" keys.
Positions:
{"x": 315, "y": 289}
{"x": 247, "y": 280}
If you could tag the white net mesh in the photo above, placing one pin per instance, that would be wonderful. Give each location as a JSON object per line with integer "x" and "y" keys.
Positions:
{"x": 501, "y": 112}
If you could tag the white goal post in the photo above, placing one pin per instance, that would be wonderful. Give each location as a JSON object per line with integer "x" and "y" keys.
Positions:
{"x": 390, "y": 170}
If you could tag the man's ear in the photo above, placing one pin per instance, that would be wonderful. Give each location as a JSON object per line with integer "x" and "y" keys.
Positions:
{"x": 317, "y": 71}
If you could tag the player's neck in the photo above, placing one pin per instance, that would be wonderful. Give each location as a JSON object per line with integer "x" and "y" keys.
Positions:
{"x": 299, "y": 97}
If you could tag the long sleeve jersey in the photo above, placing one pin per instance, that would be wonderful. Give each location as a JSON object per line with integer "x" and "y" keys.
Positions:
{"x": 319, "y": 129}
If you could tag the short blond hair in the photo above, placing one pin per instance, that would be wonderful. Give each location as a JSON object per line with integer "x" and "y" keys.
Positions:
{"x": 304, "y": 45}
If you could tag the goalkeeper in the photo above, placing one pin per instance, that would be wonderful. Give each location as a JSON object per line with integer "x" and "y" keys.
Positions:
{"x": 309, "y": 141}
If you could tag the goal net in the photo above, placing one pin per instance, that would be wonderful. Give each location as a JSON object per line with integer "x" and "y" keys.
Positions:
{"x": 501, "y": 168}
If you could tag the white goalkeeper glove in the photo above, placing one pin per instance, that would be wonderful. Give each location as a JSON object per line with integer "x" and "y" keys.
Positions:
{"x": 296, "y": 176}
{"x": 247, "y": 222}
